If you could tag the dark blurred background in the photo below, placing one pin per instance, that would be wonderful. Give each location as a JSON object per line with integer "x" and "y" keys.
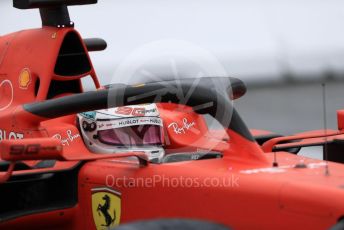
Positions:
{"x": 282, "y": 49}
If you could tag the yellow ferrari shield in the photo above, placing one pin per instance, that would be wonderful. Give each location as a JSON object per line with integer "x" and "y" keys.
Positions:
{"x": 106, "y": 208}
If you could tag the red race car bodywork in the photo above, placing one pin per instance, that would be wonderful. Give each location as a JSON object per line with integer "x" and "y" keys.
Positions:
{"x": 49, "y": 179}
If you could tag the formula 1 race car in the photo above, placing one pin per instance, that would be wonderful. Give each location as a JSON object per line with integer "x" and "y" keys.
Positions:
{"x": 93, "y": 160}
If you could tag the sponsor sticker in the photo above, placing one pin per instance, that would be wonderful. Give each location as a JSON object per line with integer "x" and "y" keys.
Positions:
{"x": 112, "y": 124}
{"x": 10, "y": 135}
{"x": 106, "y": 208}
{"x": 148, "y": 110}
{"x": 24, "y": 78}
{"x": 89, "y": 115}
{"x": 68, "y": 139}
{"x": 181, "y": 129}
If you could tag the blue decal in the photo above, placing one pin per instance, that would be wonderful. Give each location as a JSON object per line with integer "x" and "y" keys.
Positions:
{"x": 89, "y": 115}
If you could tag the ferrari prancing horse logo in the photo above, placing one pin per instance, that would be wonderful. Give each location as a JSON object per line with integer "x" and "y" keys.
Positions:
{"x": 106, "y": 208}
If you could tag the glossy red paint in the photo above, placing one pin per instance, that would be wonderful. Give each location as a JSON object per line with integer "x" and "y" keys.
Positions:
{"x": 241, "y": 189}
{"x": 306, "y": 137}
{"x": 340, "y": 118}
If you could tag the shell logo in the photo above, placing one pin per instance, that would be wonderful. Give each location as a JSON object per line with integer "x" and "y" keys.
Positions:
{"x": 24, "y": 78}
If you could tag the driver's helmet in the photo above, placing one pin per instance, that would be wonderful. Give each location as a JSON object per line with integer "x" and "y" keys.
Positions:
{"x": 124, "y": 129}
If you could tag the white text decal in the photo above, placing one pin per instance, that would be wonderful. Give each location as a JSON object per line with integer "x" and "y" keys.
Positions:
{"x": 67, "y": 140}
{"x": 181, "y": 130}
{"x": 4, "y": 135}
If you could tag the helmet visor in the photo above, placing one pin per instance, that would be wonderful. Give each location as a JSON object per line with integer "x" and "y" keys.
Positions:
{"x": 138, "y": 135}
